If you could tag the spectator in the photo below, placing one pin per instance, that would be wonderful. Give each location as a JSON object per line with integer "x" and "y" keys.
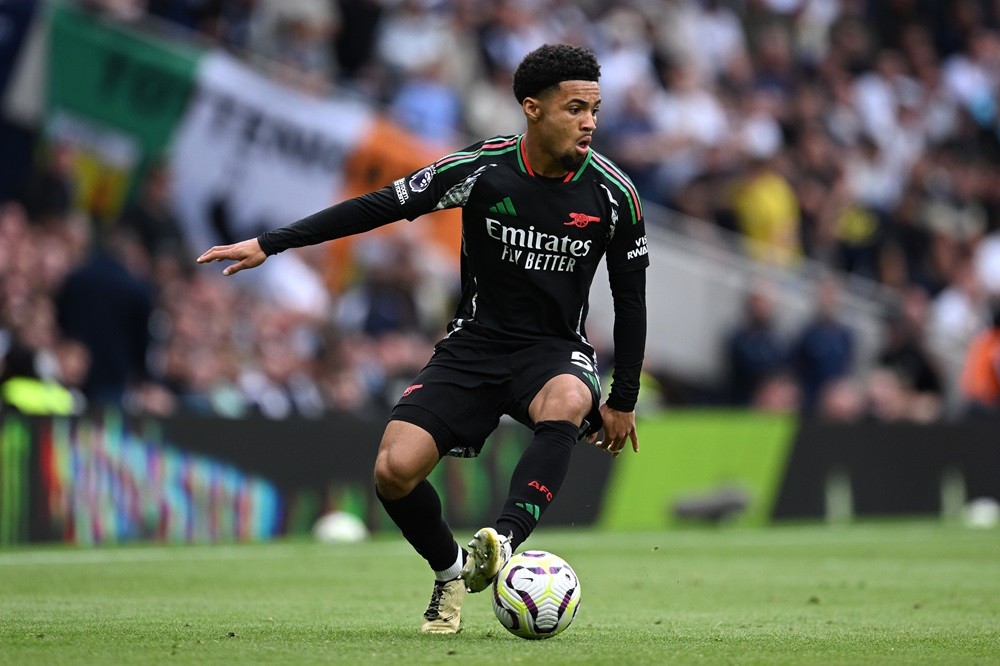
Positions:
{"x": 986, "y": 261}
{"x": 30, "y": 384}
{"x": 354, "y": 44}
{"x": 385, "y": 301}
{"x": 410, "y": 39}
{"x": 764, "y": 204}
{"x": 635, "y": 142}
{"x": 204, "y": 379}
{"x": 980, "y": 381}
{"x": 893, "y": 18}
{"x": 514, "y": 28}
{"x": 281, "y": 381}
{"x": 107, "y": 308}
{"x": 428, "y": 106}
{"x": 774, "y": 64}
{"x": 756, "y": 352}
{"x": 825, "y": 348}
{"x": 297, "y": 34}
{"x": 228, "y": 21}
{"x": 959, "y": 312}
{"x": 488, "y": 106}
{"x": 626, "y": 55}
{"x": 908, "y": 235}
{"x": 49, "y": 192}
{"x": 906, "y": 357}
{"x": 690, "y": 124}
{"x": 719, "y": 39}
{"x": 151, "y": 217}
{"x": 971, "y": 75}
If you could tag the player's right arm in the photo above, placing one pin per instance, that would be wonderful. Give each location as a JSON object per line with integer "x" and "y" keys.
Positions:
{"x": 419, "y": 193}
{"x": 346, "y": 218}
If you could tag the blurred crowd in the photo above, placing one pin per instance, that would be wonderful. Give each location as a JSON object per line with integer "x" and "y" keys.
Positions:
{"x": 863, "y": 135}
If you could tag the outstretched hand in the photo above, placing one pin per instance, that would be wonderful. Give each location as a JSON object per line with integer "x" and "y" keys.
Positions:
{"x": 246, "y": 254}
{"x": 618, "y": 427}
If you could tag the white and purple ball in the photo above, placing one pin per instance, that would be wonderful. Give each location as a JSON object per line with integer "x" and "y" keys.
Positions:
{"x": 536, "y": 595}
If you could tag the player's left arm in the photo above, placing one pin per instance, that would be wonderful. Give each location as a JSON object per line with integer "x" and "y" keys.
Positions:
{"x": 627, "y": 259}
{"x": 618, "y": 412}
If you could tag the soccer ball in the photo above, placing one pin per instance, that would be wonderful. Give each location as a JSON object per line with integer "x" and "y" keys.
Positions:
{"x": 536, "y": 595}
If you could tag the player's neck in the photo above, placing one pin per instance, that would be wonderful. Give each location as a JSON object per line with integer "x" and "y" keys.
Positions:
{"x": 541, "y": 162}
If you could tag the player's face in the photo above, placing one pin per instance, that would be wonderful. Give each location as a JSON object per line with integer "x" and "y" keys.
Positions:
{"x": 568, "y": 121}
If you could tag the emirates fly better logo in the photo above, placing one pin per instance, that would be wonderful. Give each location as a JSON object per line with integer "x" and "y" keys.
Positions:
{"x": 536, "y": 250}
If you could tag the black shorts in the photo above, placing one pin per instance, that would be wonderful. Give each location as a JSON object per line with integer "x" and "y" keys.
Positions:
{"x": 470, "y": 382}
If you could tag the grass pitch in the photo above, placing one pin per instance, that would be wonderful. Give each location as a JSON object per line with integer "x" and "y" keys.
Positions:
{"x": 912, "y": 593}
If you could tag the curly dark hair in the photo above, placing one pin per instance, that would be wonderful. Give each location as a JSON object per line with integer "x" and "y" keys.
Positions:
{"x": 548, "y": 65}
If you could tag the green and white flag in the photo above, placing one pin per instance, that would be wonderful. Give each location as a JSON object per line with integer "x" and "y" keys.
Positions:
{"x": 115, "y": 95}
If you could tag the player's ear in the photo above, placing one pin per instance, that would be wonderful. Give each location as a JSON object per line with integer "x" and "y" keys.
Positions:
{"x": 532, "y": 108}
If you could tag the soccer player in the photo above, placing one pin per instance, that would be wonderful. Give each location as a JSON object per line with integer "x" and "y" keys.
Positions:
{"x": 539, "y": 210}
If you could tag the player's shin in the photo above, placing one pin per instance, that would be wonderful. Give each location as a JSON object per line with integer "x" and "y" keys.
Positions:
{"x": 537, "y": 478}
{"x": 420, "y": 519}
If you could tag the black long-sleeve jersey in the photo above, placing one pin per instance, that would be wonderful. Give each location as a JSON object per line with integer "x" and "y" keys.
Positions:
{"x": 531, "y": 245}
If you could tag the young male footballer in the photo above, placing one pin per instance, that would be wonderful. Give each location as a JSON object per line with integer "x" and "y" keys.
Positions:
{"x": 539, "y": 210}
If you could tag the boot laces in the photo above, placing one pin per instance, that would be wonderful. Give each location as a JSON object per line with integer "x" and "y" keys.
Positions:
{"x": 434, "y": 607}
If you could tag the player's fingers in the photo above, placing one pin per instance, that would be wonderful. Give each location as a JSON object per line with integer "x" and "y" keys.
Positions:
{"x": 235, "y": 268}
{"x": 606, "y": 445}
{"x": 634, "y": 436}
{"x": 211, "y": 254}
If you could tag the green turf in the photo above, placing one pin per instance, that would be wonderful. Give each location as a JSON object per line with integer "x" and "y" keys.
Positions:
{"x": 912, "y": 593}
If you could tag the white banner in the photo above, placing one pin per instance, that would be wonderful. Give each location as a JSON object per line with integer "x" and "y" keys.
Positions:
{"x": 251, "y": 155}
{"x": 257, "y": 154}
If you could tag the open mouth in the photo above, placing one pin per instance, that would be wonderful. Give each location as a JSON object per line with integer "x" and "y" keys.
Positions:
{"x": 583, "y": 145}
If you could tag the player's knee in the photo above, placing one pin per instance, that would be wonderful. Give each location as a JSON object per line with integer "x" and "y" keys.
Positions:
{"x": 406, "y": 456}
{"x": 392, "y": 479}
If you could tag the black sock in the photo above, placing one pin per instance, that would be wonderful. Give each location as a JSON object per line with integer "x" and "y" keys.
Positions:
{"x": 418, "y": 516}
{"x": 536, "y": 479}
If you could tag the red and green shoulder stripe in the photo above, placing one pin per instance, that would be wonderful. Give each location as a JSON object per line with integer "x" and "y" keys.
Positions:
{"x": 495, "y": 146}
{"x": 618, "y": 179}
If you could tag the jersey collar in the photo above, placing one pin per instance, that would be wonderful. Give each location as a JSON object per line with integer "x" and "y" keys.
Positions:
{"x": 522, "y": 161}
